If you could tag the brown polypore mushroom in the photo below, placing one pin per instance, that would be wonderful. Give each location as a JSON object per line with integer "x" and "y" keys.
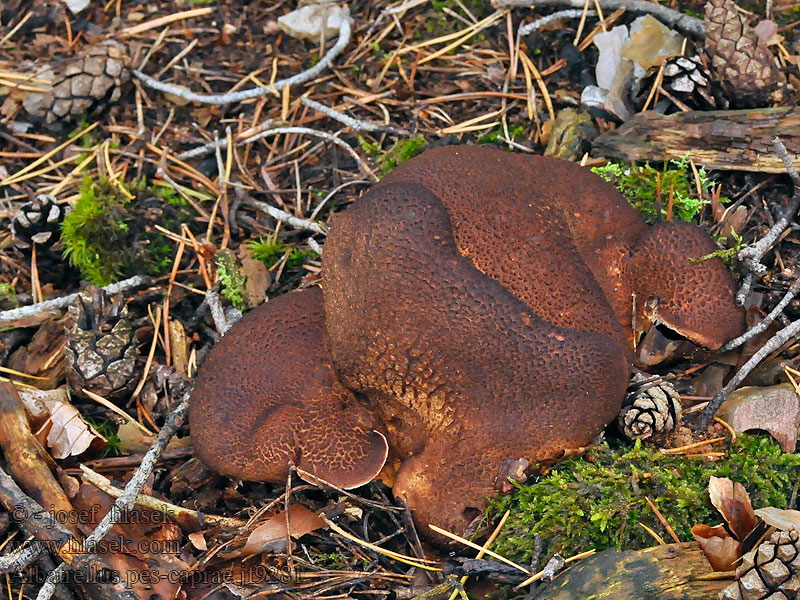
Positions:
{"x": 267, "y": 397}
{"x": 480, "y": 303}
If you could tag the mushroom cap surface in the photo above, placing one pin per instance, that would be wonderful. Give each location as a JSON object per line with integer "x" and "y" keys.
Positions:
{"x": 267, "y": 396}
{"x": 463, "y": 373}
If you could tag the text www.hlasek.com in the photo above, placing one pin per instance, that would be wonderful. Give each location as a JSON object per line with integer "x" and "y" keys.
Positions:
{"x": 249, "y": 575}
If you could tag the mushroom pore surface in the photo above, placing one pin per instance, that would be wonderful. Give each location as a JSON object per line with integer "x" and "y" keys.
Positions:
{"x": 476, "y": 307}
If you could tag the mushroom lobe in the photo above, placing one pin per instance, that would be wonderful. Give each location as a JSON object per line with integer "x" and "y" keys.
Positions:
{"x": 267, "y": 396}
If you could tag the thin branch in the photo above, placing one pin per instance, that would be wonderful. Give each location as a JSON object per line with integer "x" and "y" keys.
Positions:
{"x": 331, "y": 137}
{"x": 529, "y": 28}
{"x": 231, "y": 97}
{"x": 774, "y": 343}
{"x": 285, "y": 217}
{"x": 21, "y": 558}
{"x": 9, "y": 316}
{"x": 125, "y": 503}
{"x": 767, "y": 321}
{"x": 352, "y": 123}
{"x": 673, "y": 18}
{"x": 752, "y": 255}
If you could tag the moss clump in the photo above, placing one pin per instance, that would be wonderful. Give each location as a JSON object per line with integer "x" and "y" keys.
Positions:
{"x": 400, "y": 152}
{"x": 438, "y": 20}
{"x": 108, "y": 235}
{"x": 598, "y": 500}
{"x": 496, "y": 136}
{"x": 640, "y": 184}
{"x": 270, "y": 250}
{"x": 231, "y": 279}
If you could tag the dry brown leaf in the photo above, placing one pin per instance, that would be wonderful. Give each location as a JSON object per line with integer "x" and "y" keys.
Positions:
{"x": 779, "y": 518}
{"x": 721, "y": 550}
{"x": 732, "y": 501}
{"x": 67, "y": 434}
{"x": 270, "y": 536}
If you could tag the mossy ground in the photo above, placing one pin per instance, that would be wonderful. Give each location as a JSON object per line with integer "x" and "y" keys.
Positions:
{"x": 598, "y": 500}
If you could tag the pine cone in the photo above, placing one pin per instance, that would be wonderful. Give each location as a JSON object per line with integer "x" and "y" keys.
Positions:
{"x": 38, "y": 222}
{"x": 743, "y": 65}
{"x": 85, "y": 84}
{"x": 101, "y": 351}
{"x": 649, "y": 410}
{"x": 685, "y": 78}
{"x": 769, "y": 571}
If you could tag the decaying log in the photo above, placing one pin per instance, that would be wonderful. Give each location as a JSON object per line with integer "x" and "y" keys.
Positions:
{"x": 27, "y": 461}
{"x": 670, "y": 572}
{"x": 717, "y": 139}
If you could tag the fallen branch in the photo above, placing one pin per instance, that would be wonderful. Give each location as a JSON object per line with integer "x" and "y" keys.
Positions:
{"x": 9, "y": 316}
{"x": 767, "y": 321}
{"x": 352, "y": 123}
{"x": 673, "y": 18}
{"x": 126, "y": 501}
{"x": 232, "y": 97}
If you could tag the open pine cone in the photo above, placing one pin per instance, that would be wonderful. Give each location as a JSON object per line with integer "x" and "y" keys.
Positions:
{"x": 38, "y": 222}
{"x": 649, "y": 409}
{"x": 82, "y": 85}
{"x": 742, "y": 65}
{"x": 101, "y": 350}
{"x": 770, "y": 571}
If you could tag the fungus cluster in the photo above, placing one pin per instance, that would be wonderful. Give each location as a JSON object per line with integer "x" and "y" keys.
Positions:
{"x": 476, "y": 306}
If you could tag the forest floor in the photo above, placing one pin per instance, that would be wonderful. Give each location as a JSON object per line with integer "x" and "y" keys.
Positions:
{"x": 200, "y": 208}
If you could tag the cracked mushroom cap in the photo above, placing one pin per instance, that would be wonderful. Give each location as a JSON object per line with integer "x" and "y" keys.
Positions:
{"x": 267, "y": 396}
{"x": 694, "y": 298}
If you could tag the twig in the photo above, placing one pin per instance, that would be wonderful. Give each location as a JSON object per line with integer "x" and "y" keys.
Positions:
{"x": 331, "y": 137}
{"x": 21, "y": 558}
{"x": 775, "y": 342}
{"x": 217, "y": 312}
{"x": 126, "y": 501}
{"x": 673, "y": 18}
{"x": 352, "y": 123}
{"x": 767, "y": 321}
{"x": 285, "y": 217}
{"x": 529, "y": 28}
{"x": 230, "y": 98}
{"x": 751, "y": 256}
{"x": 22, "y": 312}
{"x": 222, "y": 143}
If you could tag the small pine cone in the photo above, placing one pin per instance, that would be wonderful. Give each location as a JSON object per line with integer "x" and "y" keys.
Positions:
{"x": 85, "y": 84}
{"x": 743, "y": 65}
{"x": 38, "y": 222}
{"x": 769, "y": 571}
{"x": 101, "y": 350}
{"x": 649, "y": 410}
{"x": 687, "y": 79}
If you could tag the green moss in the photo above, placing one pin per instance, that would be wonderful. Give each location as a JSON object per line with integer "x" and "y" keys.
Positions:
{"x": 399, "y": 153}
{"x": 109, "y": 431}
{"x": 640, "y": 185}
{"x": 231, "y": 279}
{"x": 496, "y": 135}
{"x": 728, "y": 255}
{"x": 106, "y": 238}
{"x": 598, "y": 500}
{"x": 270, "y": 250}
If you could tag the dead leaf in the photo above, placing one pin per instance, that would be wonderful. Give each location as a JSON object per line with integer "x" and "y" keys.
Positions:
{"x": 720, "y": 548}
{"x": 179, "y": 345}
{"x": 270, "y": 536}
{"x": 257, "y": 277}
{"x": 774, "y": 409}
{"x": 733, "y": 502}
{"x": 779, "y": 518}
{"x": 58, "y": 421}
